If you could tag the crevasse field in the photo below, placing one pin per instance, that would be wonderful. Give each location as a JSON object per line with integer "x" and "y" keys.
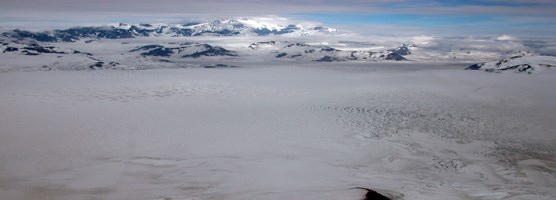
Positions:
{"x": 278, "y": 132}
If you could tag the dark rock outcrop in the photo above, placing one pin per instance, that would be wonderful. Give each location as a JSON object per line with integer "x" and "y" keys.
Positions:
{"x": 372, "y": 195}
{"x": 329, "y": 59}
{"x": 394, "y": 56}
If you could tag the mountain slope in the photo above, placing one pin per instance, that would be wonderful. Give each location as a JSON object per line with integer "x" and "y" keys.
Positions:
{"x": 322, "y": 53}
{"x": 520, "y": 62}
{"x": 184, "y": 50}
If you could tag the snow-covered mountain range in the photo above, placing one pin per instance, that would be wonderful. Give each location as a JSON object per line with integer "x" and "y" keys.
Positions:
{"x": 520, "y": 62}
{"x": 323, "y": 53}
{"x": 225, "y": 42}
{"x": 222, "y": 27}
{"x": 183, "y": 50}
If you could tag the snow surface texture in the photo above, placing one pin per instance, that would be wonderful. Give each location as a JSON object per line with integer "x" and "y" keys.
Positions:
{"x": 277, "y": 132}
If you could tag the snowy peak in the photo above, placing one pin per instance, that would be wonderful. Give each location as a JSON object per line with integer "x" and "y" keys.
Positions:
{"x": 268, "y": 23}
{"x": 518, "y": 54}
{"x": 255, "y": 26}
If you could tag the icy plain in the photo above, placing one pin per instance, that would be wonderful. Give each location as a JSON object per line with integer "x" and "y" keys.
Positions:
{"x": 278, "y": 132}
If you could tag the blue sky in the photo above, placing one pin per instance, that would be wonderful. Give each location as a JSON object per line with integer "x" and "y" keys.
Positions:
{"x": 448, "y": 17}
{"x": 395, "y": 19}
{"x": 483, "y": 24}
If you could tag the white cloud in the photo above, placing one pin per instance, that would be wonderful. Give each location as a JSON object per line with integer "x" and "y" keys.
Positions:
{"x": 423, "y": 41}
{"x": 506, "y": 38}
